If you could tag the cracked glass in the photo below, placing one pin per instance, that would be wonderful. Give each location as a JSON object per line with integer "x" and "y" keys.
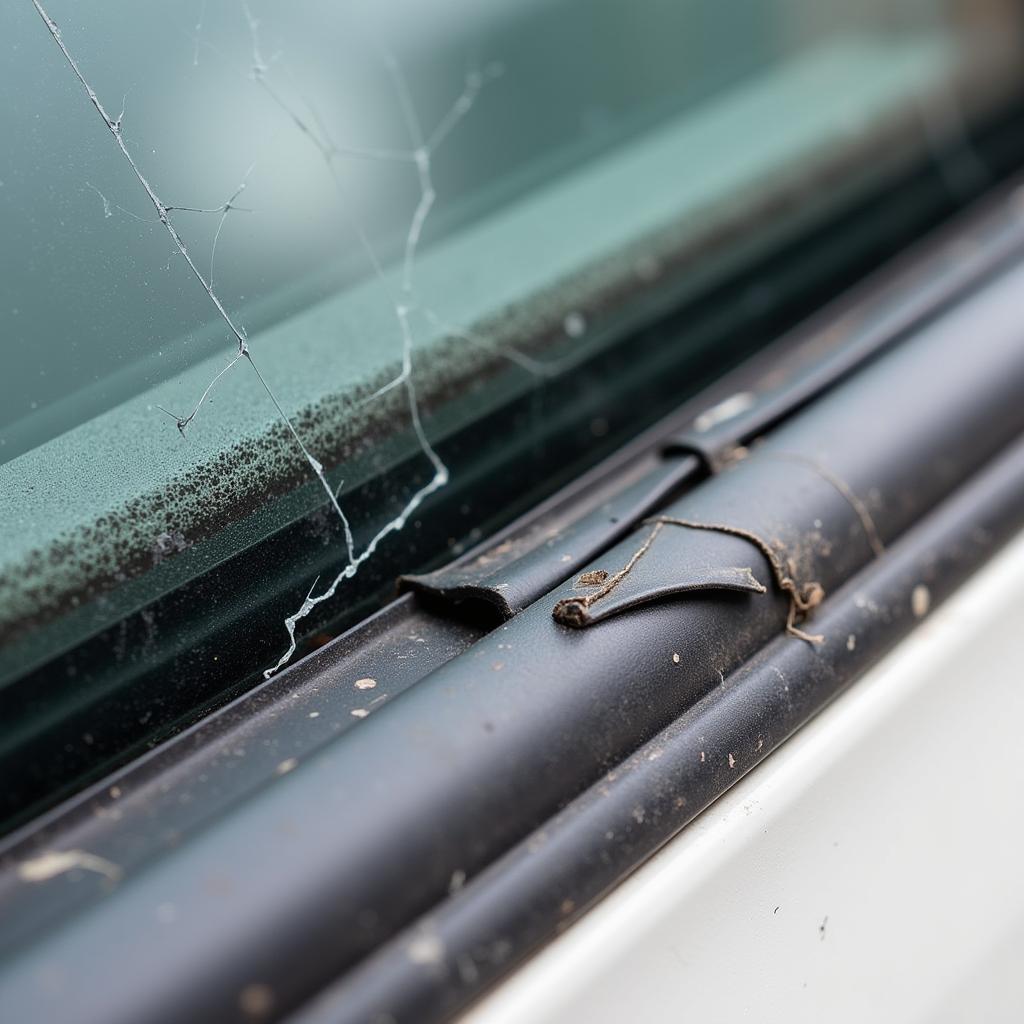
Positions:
{"x": 299, "y": 297}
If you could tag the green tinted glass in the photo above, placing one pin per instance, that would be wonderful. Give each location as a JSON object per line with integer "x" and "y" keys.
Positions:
{"x": 290, "y": 271}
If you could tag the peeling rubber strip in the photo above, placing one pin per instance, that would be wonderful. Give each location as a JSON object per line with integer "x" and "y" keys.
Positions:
{"x": 803, "y": 597}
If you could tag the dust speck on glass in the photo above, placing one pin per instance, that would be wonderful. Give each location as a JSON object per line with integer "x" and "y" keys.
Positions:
{"x": 276, "y": 278}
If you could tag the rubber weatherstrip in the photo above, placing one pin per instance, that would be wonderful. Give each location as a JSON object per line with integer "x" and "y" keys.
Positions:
{"x": 320, "y": 869}
{"x": 550, "y": 878}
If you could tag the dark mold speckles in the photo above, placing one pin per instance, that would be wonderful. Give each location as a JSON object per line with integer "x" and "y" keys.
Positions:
{"x": 168, "y": 543}
{"x": 125, "y": 543}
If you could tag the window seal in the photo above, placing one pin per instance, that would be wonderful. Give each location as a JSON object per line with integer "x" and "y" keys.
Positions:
{"x": 297, "y": 866}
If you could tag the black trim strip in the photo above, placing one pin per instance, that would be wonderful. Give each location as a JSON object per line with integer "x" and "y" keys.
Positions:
{"x": 316, "y": 871}
{"x": 549, "y": 880}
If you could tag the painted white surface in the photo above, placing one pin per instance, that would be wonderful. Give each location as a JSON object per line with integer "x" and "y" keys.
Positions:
{"x": 870, "y": 869}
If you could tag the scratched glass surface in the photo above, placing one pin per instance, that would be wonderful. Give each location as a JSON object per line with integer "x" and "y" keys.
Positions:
{"x": 228, "y": 221}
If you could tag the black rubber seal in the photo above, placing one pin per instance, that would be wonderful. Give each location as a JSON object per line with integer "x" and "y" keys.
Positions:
{"x": 318, "y": 870}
